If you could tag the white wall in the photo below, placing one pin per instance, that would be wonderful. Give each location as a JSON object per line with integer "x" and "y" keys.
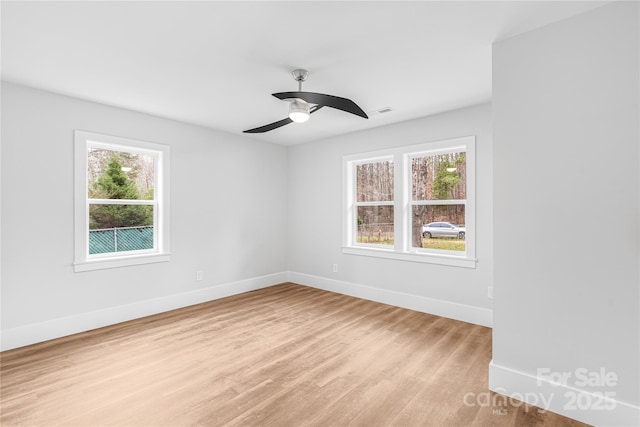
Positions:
{"x": 315, "y": 228}
{"x": 566, "y": 191}
{"x": 228, "y": 218}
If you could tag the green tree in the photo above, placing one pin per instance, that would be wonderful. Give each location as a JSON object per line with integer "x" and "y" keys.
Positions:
{"x": 445, "y": 180}
{"x": 115, "y": 184}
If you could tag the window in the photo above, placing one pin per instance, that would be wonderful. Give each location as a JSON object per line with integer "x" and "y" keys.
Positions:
{"x": 413, "y": 203}
{"x": 374, "y": 202}
{"x": 121, "y": 202}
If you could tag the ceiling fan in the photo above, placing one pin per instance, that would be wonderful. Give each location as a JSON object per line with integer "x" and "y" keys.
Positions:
{"x": 303, "y": 104}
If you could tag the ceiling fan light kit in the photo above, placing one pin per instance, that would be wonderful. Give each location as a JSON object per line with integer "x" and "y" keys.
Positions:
{"x": 299, "y": 111}
{"x": 303, "y": 104}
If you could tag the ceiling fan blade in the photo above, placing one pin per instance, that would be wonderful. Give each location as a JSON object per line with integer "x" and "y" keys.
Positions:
{"x": 270, "y": 126}
{"x": 279, "y": 123}
{"x": 343, "y": 104}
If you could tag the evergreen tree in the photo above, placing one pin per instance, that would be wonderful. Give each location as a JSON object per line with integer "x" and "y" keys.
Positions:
{"x": 445, "y": 180}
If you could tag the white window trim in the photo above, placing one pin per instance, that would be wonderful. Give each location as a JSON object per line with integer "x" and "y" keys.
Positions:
{"x": 82, "y": 260}
{"x": 402, "y": 249}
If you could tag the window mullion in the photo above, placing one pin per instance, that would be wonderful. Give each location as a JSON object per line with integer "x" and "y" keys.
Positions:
{"x": 353, "y": 226}
{"x": 121, "y": 202}
{"x": 383, "y": 203}
{"x": 400, "y": 202}
{"x": 437, "y": 202}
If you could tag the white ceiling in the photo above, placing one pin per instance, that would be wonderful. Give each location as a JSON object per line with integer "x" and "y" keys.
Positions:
{"x": 216, "y": 64}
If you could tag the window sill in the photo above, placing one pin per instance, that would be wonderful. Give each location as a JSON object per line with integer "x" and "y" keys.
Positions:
{"x": 125, "y": 261}
{"x": 429, "y": 258}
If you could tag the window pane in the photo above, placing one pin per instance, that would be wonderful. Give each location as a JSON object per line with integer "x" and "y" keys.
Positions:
{"x": 439, "y": 227}
{"x": 120, "y": 239}
{"x": 441, "y": 177}
{"x": 110, "y": 216}
{"x": 374, "y": 182}
{"x": 118, "y": 228}
{"x": 375, "y": 225}
{"x": 119, "y": 175}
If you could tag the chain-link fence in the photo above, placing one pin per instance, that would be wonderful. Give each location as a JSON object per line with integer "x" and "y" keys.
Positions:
{"x": 121, "y": 239}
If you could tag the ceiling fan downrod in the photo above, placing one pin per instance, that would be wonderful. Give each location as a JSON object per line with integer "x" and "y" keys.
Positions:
{"x": 300, "y": 75}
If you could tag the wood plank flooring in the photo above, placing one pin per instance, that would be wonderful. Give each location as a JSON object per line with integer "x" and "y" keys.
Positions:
{"x": 287, "y": 355}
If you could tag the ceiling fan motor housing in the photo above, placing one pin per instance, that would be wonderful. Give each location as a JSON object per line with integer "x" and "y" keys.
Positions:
{"x": 300, "y": 74}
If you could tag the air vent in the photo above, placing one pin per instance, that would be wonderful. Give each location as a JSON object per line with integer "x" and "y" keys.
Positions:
{"x": 379, "y": 111}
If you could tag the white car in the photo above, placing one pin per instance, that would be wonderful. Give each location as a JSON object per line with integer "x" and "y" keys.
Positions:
{"x": 443, "y": 229}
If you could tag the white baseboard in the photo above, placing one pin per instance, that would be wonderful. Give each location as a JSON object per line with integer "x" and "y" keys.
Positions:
{"x": 56, "y": 328}
{"x": 579, "y": 404}
{"x": 466, "y": 313}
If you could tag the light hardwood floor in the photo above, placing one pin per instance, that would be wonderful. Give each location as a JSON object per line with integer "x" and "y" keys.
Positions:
{"x": 287, "y": 355}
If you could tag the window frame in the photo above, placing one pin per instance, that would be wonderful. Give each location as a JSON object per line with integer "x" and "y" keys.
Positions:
{"x": 83, "y": 261}
{"x": 403, "y": 203}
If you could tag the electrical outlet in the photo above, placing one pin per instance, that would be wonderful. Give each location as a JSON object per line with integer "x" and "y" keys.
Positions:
{"x": 335, "y": 268}
{"x": 199, "y": 275}
{"x": 490, "y": 292}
